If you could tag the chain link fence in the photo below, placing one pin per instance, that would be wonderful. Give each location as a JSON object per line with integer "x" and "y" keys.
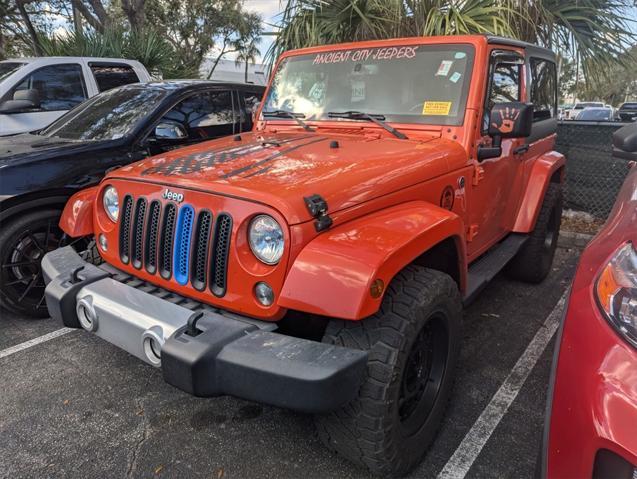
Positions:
{"x": 593, "y": 176}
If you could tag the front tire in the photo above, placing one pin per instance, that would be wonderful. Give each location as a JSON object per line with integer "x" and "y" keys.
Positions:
{"x": 413, "y": 343}
{"x": 23, "y": 243}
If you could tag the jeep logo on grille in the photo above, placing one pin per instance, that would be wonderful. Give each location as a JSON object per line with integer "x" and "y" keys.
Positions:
{"x": 170, "y": 195}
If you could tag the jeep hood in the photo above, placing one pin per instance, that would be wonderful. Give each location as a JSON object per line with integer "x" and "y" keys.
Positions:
{"x": 279, "y": 169}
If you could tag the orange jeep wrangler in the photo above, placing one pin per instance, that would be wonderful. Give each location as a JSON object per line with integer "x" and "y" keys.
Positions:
{"x": 321, "y": 261}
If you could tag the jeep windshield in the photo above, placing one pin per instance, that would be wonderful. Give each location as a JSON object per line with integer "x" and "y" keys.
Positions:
{"x": 425, "y": 84}
{"x": 108, "y": 116}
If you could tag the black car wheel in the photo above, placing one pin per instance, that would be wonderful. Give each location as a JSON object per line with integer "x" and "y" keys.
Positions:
{"x": 23, "y": 244}
{"x": 533, "y": 262}
{"x": 413, "y": 343}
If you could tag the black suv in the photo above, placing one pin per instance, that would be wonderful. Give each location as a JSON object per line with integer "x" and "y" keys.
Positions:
{"x": 40, "y": 170}
{"x": 627, "y": 111}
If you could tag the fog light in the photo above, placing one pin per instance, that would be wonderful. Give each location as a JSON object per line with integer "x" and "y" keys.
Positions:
{"x": 86, "y": 313}
{"x": 264, "y": 294}
{"x": 103, "y": 242}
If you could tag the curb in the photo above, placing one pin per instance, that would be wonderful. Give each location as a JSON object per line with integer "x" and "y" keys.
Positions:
{"x": 570, "y": 239}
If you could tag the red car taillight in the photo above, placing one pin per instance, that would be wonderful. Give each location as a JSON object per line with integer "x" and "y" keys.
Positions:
{"x": 616, "y": 292}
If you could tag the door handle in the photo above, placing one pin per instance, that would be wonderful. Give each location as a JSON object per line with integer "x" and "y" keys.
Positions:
{"x": 521, "y": 149}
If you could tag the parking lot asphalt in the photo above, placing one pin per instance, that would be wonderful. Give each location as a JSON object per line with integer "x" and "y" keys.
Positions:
{"x": 75, "y": 406}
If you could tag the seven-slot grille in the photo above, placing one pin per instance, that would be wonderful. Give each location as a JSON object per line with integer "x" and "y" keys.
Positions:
{"x": 178, "y": 242}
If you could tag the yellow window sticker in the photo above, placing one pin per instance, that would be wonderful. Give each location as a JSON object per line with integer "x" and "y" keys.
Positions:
{"x": 441, "y": 108}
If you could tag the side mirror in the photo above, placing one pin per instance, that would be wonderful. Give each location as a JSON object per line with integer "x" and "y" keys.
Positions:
{"x": 507, "y": 120}
{"x": 511, "y": 120}
{"x": 23, "y": 101}
{"x": 625, "y": 142}
{"x": 171, "y": 131}
{"x": 31, "y": 95}
{"x": 253, "y": 111}
{"x": 16, "y": 106}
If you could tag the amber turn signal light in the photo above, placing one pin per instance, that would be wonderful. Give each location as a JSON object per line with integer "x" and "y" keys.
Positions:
{"x": 377, "y": 288}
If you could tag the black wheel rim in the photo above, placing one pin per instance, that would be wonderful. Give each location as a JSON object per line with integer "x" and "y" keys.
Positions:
{"x": 20, "y": 268}
{"x": 423, "y": 375}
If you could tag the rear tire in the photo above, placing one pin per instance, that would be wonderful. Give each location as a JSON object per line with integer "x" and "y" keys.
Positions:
{"x": 23, "y": 243}
{"x": 413, "y": 343}
{"x": 533, "y": 262}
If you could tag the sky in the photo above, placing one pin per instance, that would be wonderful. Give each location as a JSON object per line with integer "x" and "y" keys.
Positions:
{"x": 269, "y": 11}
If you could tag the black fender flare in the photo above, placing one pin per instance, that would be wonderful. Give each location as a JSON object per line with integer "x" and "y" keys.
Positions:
{"x": 56, "y": 201}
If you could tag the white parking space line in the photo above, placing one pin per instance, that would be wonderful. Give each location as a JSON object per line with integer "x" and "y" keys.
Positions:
{"x": 34, "y": 342}
{"x": 465, "y": 455}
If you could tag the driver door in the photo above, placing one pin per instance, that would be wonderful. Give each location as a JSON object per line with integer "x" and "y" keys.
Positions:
{"x": 491, "y": 207}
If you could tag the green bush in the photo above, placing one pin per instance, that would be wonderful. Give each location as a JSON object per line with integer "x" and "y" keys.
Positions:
{"x": 146, "y": 46}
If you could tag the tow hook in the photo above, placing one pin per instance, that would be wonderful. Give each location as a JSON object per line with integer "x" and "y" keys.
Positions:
{"x": 191, "y": 328}
{"x": 317, "y": 206}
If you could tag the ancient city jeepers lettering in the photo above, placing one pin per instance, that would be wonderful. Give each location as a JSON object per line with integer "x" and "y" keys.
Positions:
{"x": 362, "y": 55}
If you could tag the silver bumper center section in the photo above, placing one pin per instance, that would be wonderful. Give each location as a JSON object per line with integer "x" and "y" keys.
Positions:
{"x": 128, "y": 318}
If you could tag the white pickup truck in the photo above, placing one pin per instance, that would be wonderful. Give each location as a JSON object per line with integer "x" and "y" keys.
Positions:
{"x": 34, "y": 92}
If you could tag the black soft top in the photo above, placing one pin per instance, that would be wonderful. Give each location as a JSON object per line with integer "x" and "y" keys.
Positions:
{"x": 535, "y": 50}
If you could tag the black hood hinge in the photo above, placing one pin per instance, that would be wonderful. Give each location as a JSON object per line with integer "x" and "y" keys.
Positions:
{"x": 317, "y": 207}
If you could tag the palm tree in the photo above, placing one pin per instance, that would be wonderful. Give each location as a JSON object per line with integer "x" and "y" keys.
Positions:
{"x": 247, "y": 51}
{"x": 146, "y": 45}
{"x": 596, "y": 31}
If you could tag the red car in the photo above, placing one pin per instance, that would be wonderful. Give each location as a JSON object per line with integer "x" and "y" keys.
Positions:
{"x": 591, "y": 429}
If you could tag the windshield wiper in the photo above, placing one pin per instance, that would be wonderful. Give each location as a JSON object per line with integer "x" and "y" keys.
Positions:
{"x": 359, "y": 115}
{"x": 289, "y": 114}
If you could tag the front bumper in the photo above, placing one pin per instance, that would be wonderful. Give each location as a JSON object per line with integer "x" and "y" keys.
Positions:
{"x": 205, "y": 352}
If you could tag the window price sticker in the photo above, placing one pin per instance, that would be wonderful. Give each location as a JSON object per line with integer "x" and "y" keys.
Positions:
{"x": 437, "y": 108}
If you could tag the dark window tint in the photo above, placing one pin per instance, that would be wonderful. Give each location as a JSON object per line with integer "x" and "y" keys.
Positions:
{"x": 111, "y": 76}
{"x": 505, "y": 84}
{"x": 205, "y": 115}
{"x": 628, "y": 106}
{"x": 109, "y": 115}
{"x": 61, "y": 87}
{"x": 543, "y": 89}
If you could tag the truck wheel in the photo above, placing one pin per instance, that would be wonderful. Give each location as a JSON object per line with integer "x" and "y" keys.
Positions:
{"x": 23, "y": 243}
{"x": 533, "y": 262}
{"x": 413, "y": 343}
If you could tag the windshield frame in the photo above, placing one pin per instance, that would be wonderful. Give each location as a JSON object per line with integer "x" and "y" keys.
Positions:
{"x": 17, "y": 67}
{"x": 140, "y": 125}
{"x": 408, "y": 120}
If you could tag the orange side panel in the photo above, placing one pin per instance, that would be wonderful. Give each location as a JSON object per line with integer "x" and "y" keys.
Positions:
{"x": 539, "y": 179}
{"x": 332, "y": 275}
{"x": 77, "y": 217}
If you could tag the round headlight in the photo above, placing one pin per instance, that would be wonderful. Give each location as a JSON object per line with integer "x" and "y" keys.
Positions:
{"x": 266, "y": 239}
{"x": 111, "y": 203}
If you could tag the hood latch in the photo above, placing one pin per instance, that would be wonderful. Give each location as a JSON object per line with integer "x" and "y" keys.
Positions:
{"x": 317, "y": 207}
